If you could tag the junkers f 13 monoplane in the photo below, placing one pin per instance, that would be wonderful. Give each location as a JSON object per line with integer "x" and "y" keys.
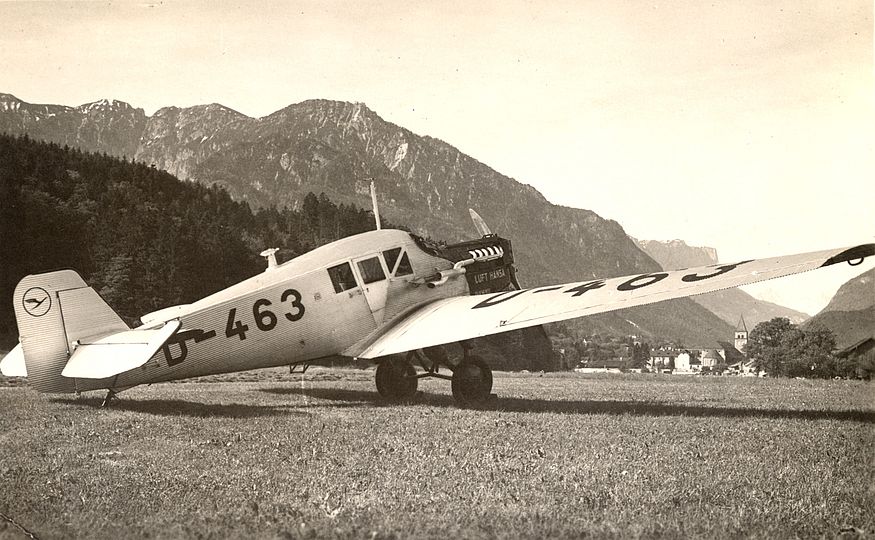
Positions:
{"x": 385, "y": 295}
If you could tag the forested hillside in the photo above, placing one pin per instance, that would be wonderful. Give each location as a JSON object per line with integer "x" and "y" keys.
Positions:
{"x": 138, "y": 235}
{"x": 851, "y": 312}
{"x": 146, "y": 240}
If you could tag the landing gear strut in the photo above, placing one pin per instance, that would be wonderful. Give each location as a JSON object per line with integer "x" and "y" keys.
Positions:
{"x": 471, "y": 380}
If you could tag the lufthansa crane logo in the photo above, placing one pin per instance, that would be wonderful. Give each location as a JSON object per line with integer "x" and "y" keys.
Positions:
{"x": 36, "y": 301}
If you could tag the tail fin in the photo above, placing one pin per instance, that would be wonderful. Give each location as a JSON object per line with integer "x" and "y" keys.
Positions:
{"x": 53, "y": 311}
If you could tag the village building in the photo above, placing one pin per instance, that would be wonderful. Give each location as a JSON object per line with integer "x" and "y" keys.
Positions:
{"x": 730, "y": 354}
{"x": 612, "y": 365}
{"x": 738, "y": 362}
{"x": 861, "y": 350}
{"x": 726, "y": 358}
{"x": 740, "y": 334}
{"x": 711, "y": 359}
{"x": 690, "y": 361}
{"x": 665, "y": 360}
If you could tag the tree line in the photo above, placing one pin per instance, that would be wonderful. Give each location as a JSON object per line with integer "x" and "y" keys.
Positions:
{"x": 783, "y": 349}
{"x": 595, "y": 350}
{"x": 139, "y": 236}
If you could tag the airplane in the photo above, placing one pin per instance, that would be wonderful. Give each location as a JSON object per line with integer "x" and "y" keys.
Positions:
{"x": 386, "y": 295}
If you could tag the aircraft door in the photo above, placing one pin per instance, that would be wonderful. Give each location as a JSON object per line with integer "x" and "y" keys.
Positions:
{"x": 372, "y": 276}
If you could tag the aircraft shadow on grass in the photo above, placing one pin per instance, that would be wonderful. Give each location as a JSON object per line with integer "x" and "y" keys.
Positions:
{"x": 638, "y": 408}
{"x": 178, "y": 407}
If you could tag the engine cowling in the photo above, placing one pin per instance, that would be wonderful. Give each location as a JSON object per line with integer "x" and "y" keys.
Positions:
{"x": 492, "y": 269}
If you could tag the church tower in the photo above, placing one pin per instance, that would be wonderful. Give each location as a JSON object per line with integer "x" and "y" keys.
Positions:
{"x": 740, "y": 334}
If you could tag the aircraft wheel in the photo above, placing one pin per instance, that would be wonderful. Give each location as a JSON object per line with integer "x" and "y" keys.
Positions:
{"x": 396, "y": 379}
{"x": 472, "y": 381}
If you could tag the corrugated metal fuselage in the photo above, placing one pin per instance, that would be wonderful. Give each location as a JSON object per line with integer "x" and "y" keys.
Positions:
{"x": 290, "y": 314}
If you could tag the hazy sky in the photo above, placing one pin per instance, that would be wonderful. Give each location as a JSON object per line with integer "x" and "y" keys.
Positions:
{"x": 746, "y": 126}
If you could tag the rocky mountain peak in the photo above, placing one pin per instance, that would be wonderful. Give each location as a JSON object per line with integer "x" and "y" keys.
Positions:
{"x": 729, "y": 304}
{"x": 8, "y": 102}
{"x": 338, "y": 148}
{"x": 315, "y": 116}
{"x": 175, "y": 139}
{"x": 22, "y": 112}
{"x": 677, "y": 254}
{"x": 329, "y": 107}
{"x": 210, "y": 110}
{"x": 855, "y": 294}
{"x": 106, "y": 125}
{"x": 106, "y": 106}
{"x": 206, "y": 118}
{"x": 219, "y": 108}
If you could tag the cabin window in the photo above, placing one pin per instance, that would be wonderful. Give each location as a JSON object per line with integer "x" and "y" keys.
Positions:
{"x": 391, "y": 258}
{"x": 404, "y": 267}
{"x": 342, "y": 277}
{"x": 371, "y": 270}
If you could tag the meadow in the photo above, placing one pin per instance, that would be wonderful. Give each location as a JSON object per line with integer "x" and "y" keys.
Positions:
{"x": 269, "y": 454}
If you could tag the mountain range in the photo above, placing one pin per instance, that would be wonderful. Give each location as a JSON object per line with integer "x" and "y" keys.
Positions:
{"x": 851, "y": 312}
{"x": 729, "y": 304}
{"x": 338, "y": 148}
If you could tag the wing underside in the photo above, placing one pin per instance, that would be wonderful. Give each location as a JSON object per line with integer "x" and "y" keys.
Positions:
{"x": 455, "y": 319}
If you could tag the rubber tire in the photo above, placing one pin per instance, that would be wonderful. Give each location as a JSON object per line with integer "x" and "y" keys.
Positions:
{"x": 396, "y": 379}
{"x": 472, "y": 381}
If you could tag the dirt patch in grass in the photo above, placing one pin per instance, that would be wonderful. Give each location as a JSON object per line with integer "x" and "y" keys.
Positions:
{"x": 321, "y": 456}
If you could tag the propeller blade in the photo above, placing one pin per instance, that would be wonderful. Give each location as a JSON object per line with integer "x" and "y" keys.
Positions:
{"x": 479, "y": 224}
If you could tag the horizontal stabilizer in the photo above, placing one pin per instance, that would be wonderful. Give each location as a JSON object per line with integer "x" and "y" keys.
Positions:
{"x": 117, "y": 353}
{"x": 13, "y": 364}
{"x": 172, "y": 312}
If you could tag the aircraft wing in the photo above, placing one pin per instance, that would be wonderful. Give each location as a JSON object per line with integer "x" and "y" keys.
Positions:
{"x": 118, "y": 352}
{"x": 459, "y": 318}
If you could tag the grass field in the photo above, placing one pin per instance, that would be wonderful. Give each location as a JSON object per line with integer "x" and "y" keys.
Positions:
{"x": 272, "y": 455}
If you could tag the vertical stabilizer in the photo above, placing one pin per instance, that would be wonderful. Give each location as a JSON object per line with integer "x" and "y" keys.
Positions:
{"x": 53, "y": 311}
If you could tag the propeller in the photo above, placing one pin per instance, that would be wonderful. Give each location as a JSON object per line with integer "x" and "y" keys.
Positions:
{"x": 479, "y": 224}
